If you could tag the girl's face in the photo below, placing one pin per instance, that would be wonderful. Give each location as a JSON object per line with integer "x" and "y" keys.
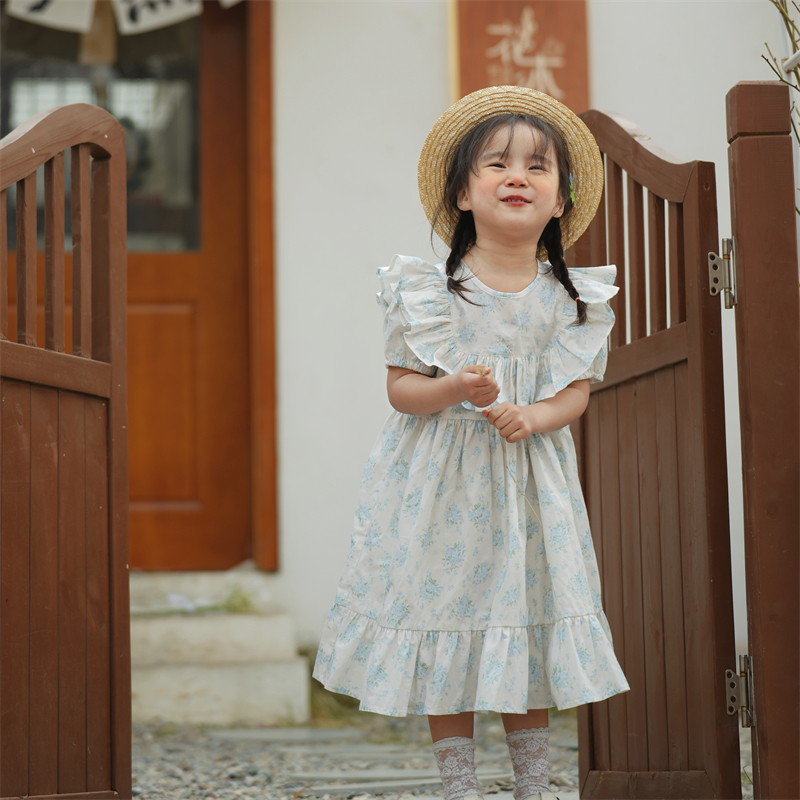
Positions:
{"x": 513, "y": 190}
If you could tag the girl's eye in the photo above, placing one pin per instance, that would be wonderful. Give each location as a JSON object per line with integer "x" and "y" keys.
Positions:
{"x": 536, "y": 166}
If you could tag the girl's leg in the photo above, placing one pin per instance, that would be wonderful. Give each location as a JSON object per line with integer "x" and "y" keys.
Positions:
{"x": 527, "y": 739}
{"x": 454, "y": 749}
{"x": 444, "y": 725}
{"x": 535, "y": 718}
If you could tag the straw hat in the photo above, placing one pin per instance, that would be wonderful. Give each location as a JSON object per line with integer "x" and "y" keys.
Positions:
{"x": 469, "y": 111}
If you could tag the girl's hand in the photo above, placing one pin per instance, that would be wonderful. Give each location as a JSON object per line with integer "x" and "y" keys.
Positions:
{"x": 477, "y": 385}
{"x": 512, "y": 422}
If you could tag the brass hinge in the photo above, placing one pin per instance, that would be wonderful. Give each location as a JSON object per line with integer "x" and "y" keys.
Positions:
{"x": 739, "y": 690}
{"x": 721, "y": 274}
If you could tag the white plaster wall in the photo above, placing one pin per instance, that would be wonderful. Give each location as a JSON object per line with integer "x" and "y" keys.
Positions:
{"x": 357, "y": 87}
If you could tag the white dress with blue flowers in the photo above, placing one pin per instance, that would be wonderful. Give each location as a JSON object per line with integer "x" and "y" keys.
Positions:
{"x": 454, "y": 597}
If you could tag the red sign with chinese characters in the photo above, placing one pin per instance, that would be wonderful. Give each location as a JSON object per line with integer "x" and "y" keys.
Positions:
{"x": 538, "y": 43}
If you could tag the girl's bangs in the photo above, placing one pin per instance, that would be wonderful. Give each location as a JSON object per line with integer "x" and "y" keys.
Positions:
{"x": 483, "y": 133}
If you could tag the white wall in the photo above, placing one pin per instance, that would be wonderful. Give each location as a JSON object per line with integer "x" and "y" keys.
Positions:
{"x": 357, "y": 87}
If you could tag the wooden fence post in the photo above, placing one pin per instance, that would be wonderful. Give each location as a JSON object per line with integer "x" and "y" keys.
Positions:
{"x": 763, "y": 200}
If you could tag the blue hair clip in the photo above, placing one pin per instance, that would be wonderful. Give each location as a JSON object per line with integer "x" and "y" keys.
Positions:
{"x": 571, "y": 190}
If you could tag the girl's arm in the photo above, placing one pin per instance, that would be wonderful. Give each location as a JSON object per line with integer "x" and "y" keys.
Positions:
{"x": 414, "y": 393}
{"x": 561, "y": 409}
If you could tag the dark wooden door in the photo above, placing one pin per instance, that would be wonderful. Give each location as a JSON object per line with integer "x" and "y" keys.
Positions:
{"x": 188, "y": 341}
{"x": 188, "y": 345}
{"x": 652, "y": 446}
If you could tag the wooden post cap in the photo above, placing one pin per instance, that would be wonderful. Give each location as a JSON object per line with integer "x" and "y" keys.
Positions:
{"x": 758, "y": 108}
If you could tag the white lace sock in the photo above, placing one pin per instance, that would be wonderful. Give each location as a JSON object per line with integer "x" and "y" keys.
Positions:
{"x": 528, "y": 749}
{"x": 456, "y": 759}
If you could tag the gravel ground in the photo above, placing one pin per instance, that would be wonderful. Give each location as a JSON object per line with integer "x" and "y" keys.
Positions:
{"x": 171, "y": 761}
{"x": 176, "y": 762}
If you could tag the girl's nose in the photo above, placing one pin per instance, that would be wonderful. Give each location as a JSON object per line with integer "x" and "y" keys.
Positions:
{"x": 516, "y": 177}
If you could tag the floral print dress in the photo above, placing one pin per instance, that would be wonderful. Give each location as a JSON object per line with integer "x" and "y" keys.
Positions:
{"x": 455, "y": 595}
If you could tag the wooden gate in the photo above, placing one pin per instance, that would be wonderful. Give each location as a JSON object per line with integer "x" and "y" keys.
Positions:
{"x": 654, "y": 470}
{"x": 767, "y": 311}
{"x": 64, "y": 629}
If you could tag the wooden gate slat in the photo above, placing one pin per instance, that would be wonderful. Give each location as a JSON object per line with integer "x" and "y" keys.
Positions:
{"x": 689, "y": 546}
{"x": 638, "y": 154}
{"x": 98, "y": 648}
{"x": 104, "y": 240}
{"x": 72, "y": 595}
{"x": 658, "y": 262}
{"x": 615, "y": 209}
{"x": 594, "y": 502}
{"x": 81, "y": 253}
{"x": 612, "y": 571}
{"x": 651, "y": 574}
{"x": 677, "y": 266}
{"x": 44, "y": 587}
{"x": 54, "y": 253}
{"x": 26, "y": 260}
{"x": 644, "y": 356}
{"x": 669, "y": 524}
{"x": 15, "y": 587}
{"x": 3, "y": 266}
{"x": 632, "y": 575}
{"x": 613, "y": 785}
{"x": 711, "y": 567}
{"x": 36, "y": 365}
{"x": 598, "y": 252}
{"x": 578, "y": 254}
{"x": 638, "y": 289}
{"x": 106, "y": 794}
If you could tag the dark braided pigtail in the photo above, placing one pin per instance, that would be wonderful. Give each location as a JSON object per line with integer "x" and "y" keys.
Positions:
{"x": 551, "y": 239}
{"x": 463, "y": 238}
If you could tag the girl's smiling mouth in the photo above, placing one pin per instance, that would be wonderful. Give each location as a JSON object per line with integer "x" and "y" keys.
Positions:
{"x": 515, "y": 198}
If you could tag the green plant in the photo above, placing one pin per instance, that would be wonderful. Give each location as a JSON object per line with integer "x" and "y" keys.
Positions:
{"x": 791, "y": 76}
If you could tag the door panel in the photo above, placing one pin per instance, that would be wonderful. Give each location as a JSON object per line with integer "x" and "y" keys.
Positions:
{"x": 188, "y": 346}
{"x": 188, "y": 349}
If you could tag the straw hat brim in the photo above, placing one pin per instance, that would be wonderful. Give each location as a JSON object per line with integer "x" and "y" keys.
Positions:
{"x": 585, "y": 161}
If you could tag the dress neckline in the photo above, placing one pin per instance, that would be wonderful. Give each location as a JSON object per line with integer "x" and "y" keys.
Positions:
{"x": 495, "y": 292}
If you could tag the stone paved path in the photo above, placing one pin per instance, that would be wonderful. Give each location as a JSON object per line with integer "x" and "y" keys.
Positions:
{"x": 384, "y": 756}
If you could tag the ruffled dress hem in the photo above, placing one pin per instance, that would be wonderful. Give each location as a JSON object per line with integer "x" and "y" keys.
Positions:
{"x": 395, "y": 671}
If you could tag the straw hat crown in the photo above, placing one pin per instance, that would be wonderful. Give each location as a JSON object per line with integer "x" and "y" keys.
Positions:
{"x": 586, "y": 163}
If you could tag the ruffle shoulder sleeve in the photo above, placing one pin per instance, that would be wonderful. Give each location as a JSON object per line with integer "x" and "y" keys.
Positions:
{"x": 581, "y": 351}
{"x": 416, "y": 318}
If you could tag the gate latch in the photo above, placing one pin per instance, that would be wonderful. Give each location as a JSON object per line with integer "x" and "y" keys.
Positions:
{"x": 721, "y": 274}
{"x": 739, "y": 690}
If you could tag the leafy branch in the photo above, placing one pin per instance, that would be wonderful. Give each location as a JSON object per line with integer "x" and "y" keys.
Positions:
{"x": 790, "y": 77}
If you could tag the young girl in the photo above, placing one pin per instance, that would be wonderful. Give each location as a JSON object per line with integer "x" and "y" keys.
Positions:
{"x": 471, "y": 582}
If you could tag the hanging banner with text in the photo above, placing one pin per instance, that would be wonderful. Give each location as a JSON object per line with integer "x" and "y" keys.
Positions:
{"x": 133, "y": 16}
{"x": 536, "y": 43}
{"x": 63, "y": 15}
{"x": 138, "y": 16}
